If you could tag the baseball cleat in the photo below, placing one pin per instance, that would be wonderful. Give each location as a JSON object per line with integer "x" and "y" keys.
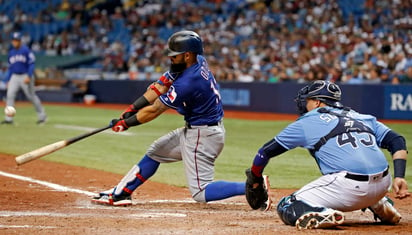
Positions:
{"x": 41, "y": 121}
{"x": 106, "y": 193}
{"x": 385, "y": 211}
{"x": 325, "y": 219}
{"x": 7, "y": 122}
{"x": 110, "y": 200}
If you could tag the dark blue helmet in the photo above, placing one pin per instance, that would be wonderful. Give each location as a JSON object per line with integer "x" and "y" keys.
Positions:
{"x": 184, "y": 41}
{"x": 16, "y": 36}
{"x": 327, "y": 92}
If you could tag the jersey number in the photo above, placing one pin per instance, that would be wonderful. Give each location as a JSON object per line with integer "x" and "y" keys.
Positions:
{"x": 353, "y": 140}
{"x": 216, "y": 91}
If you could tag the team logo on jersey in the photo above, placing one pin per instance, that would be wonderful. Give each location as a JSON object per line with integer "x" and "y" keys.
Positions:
{"x": 172, "y": 94}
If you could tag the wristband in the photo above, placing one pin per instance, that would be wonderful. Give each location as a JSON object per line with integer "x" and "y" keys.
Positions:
{"x": 140, "y": 103}
{"x": 399, "y": 166}
{"x": 132, "y": 121}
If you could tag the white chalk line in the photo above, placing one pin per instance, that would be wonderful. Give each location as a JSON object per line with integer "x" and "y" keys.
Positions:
{"x": 26, "y": 226}
{"x": 75, "y": 215}
{"x": 88, "y": 129}
{"x": 145, "y": 214}
{"x": 47, "y": 184}
{"x": 62, "y": 188}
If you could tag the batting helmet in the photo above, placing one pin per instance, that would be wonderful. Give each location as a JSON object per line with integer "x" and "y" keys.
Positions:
{"x": 327, "y": 92}
{"x": 184, "y": 41}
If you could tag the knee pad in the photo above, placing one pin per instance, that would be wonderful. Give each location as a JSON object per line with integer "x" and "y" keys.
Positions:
{"x": 289, "y": 209}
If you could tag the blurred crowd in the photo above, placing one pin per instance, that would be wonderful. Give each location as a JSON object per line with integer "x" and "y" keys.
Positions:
{"x": 346, "y": 41}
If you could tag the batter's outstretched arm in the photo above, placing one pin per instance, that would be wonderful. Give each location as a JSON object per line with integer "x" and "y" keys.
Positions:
{"x": 151, "y": 112}
{"x": 144, "y": 115}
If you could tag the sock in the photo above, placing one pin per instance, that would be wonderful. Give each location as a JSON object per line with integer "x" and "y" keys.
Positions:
{"x": 148, "y": 168}
{"x": 222, "y": 189}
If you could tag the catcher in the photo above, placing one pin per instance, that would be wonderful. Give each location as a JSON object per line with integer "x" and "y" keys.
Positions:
{"x": 346, "y": 147}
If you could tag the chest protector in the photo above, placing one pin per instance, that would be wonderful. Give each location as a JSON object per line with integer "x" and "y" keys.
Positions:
{"x": 346, "y": 124}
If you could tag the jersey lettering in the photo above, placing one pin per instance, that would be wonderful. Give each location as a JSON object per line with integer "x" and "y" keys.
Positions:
{"x": 17, "y": 58}
{"x": 216, "y": 91}
{"x": 327, "y": 117}
{"x": 204, "y": 72}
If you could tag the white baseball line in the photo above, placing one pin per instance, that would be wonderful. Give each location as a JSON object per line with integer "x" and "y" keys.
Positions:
{"x": 47, "y": 184}
{"x": 68, "y": 189}
{"x": 65, "y": 189}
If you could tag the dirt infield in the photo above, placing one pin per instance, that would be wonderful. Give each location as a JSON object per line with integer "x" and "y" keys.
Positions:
{"x": 43, "y": 197}
{"x": 41, "y": 204}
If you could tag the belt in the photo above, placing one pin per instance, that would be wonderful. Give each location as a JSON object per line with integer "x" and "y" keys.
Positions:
{"x": 366, "y": 177}
{"x": 188, "y": 126}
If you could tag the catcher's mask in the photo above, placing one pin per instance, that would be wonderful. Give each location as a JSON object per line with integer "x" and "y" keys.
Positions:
{"x": 327, "y": 92}
{"x": 184, "y": 41}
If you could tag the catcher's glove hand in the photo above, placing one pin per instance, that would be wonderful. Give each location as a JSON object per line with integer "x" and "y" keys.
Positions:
{"x": 257, "y": 191}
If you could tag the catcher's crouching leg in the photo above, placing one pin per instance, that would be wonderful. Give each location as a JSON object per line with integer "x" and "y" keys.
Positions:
{"x": 257, "y": 191}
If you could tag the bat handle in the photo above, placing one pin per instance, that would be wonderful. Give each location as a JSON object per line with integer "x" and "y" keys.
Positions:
{"x": 77, "y": 138}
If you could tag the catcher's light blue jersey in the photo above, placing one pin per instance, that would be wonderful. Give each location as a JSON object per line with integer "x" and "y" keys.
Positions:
{"x": 21, "y": 61}
{"x": 353, "y": 152}
{"x": 195, "y": 95}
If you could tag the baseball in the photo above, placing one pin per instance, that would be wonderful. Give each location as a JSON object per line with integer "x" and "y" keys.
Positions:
{"x": 10, "y": 111}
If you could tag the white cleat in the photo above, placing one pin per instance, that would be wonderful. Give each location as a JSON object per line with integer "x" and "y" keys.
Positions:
{"x": 325, "y": 219}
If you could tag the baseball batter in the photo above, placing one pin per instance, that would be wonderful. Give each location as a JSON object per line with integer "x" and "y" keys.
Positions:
{"x": 346, "y": 147}
{"x": 21, "y": 76}
{"x": 193, "y": 92}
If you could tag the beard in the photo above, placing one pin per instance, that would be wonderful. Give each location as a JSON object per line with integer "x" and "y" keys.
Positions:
{"x": 178, "y": 68}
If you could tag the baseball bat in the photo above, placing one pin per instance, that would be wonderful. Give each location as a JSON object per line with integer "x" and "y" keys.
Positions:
{"x": 43, "y": 151}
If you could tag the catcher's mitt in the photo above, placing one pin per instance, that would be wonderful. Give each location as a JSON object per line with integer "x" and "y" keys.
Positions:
{"x": 257, "y": 191}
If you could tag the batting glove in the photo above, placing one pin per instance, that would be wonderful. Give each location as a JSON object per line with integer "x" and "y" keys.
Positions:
{"x": 118, "y": 125}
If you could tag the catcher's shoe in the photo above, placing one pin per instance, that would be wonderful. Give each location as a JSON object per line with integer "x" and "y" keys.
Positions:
{"x": 325, "y": 219}
{"x": 385, "y": 211}
{"x": 112, "y": 200}
{"x": 257, "y": 191}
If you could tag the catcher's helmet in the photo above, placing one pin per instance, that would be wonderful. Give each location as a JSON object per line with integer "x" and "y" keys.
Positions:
{"x": 327, "y": 92}
{"x": 184, "y": 41}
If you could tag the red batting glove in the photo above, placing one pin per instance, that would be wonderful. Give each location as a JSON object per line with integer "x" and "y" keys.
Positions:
{"x": 130, "y": 111}
{"x": 118, "y": 125}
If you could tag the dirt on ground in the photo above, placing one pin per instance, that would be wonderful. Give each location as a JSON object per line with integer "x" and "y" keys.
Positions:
{"x": 43, "y": 197}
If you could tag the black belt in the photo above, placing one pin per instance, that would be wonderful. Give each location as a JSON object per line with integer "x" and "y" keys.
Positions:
{"x": 364, "y": 177}
{"x": 194, "y": 126}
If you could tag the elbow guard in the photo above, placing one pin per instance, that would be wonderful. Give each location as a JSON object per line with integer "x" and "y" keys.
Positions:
{"x": 393, "y": 142}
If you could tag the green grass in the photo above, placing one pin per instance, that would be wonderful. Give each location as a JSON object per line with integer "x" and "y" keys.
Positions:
{"x": 114, "y": 152}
